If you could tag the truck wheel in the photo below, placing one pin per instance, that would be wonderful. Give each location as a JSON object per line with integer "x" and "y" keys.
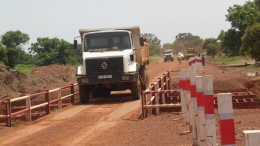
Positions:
{"x": 84, "y": 93}
{"x": 135, "y": 89}
{"x": 144, "y": 78}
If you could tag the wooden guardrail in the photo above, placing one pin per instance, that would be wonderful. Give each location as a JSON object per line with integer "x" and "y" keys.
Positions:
{"x": 48, "y": 102}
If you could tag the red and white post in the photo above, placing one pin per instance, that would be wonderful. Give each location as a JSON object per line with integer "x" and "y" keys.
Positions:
{"x": 182, "y": 77}
{"x": 201, "y": 111}
{"x": 209, "y": 110}
{"x": 226, "y": 119}
{"x": 193, "y": 108}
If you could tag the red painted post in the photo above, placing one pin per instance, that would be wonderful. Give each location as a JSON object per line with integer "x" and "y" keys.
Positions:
{"x": 226, "y": 119}
{"x": 169, "y": 80}
{"x": 9, "y": 113}
{"x": 72, "y": 99}
{"x": 47, "y": 99}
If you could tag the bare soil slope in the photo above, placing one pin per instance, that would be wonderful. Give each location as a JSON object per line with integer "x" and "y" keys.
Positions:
{"x": 14, "y": 84}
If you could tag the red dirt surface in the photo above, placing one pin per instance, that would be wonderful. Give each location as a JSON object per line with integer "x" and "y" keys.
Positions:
{"x": 115, "y": 121}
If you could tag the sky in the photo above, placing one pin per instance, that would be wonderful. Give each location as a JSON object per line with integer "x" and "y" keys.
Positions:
{"x": 164, "y": 18}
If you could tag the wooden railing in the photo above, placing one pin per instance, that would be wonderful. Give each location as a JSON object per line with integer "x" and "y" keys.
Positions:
{"x": 47, "y": 103}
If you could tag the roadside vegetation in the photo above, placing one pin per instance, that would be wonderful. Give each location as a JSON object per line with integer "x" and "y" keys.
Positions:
{"x": 24, "y": 68}
{"x": 242, "y": 39}
{"x": 155, "y": 58}
{"x": 227, "y": 60}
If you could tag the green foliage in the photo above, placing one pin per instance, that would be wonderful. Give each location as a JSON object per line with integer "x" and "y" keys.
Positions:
{"x": 242, "y": 16}
{"x": 212, "y": 46}
{"x": 227, "y": 59}
{"x": 154, "y": 42}
{"x": 14, "y": 39}
{"x": 155, "y": 58}
{"x": 230, "y": 42}
{"x": 251, "y": 42}
{"x": 25, "y": 69}
{"x": 187, "y": 40}
{"x": 3, "y": 54}
{"x": 13, "y": 53}
{"x": 52, "y": 51}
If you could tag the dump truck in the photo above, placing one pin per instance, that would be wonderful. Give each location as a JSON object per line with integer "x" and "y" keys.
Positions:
{"x": 190, "y": 52}
{"x": 168, "y": 55}
{"x": 114, "y": 59}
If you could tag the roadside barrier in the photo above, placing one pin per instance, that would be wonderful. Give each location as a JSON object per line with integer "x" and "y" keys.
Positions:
{"x": 198, "y": 103}
{"x": 46, "y": 103}
{"x": 160, "y": 95}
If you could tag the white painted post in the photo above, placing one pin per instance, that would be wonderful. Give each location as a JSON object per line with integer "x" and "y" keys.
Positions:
{"x": 183, "y": 96}
{"x": 209, "y": 110}
{"x": 251, "y": 137}
{"x": 29, "y": 112}
{"x": 226, "y": 119}
{"x": 188, "y": 96}
{"x": 201, "y": 111}
{"x": 193, "y": 105}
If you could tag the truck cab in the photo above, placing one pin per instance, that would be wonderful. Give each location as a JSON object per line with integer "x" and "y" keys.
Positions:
{"x": 113, "y": 60}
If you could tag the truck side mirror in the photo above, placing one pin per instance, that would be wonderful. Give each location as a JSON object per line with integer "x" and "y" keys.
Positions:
{"x": 141, "y": 40}
{"x": 75, "y": 44}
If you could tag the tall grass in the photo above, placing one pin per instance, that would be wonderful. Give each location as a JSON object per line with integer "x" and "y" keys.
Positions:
{"x": 155, "y": 58}
{"x": 229, "y": 60}
{"x": 24, "y": 68}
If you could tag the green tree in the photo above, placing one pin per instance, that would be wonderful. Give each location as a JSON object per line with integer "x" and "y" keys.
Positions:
{"x": 14, "y": 39}
{"x": 251, "y": 42}
{"x": 154, "y": 42}
{"x": 230, "y": 42}
{"x": 52, "y": 51}
{"x": 212, "y": 46}
{"x": 3, "y": 54}
{"x": 242, "y": 16}
{"x": 13, "y": 42}
{"x": 187, "y": 40}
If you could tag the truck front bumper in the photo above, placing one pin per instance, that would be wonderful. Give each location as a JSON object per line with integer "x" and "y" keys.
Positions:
{"x": 100, "y": 79}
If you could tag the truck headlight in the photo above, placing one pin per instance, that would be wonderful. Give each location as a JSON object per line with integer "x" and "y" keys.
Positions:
{"x": 125, "y": 78}
{"x": 84, "y": 80}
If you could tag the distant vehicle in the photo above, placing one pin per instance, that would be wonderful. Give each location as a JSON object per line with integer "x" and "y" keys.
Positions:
{"x": 180, "y": 57}
{"x": 190, "y": 52}
{"x": 168, "y": 55}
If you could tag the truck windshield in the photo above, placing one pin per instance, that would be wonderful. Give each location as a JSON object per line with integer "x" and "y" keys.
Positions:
{"x": 190, "y": 51}
{"x": 167, "y": 52}
{"x": 109, "y": 41}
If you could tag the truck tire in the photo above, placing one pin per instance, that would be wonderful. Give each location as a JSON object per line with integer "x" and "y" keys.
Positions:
{"x": 84, "y": 93}
{"x": 135, "y": 89}
{"x": 144, "y": 79}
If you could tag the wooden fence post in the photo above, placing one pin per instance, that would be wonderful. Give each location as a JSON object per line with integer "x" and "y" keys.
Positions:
{"x": 209, "y": 110}
{"x": 226, "y": 119}
{"x": 60, "y": 100}
{"x": 47, "y": 99}
{"x": 72, "y": 99}
{"x": 9, "y": 113}
{"x": 28, "y": 106}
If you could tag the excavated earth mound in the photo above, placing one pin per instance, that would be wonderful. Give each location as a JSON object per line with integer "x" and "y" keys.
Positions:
{"x": 14, "y": 84}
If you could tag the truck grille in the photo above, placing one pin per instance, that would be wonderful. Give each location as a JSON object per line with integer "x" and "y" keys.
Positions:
{"x": 104, "y": 66}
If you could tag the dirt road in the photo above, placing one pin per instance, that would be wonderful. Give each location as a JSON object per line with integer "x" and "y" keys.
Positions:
{"x": 115, "y": 120}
